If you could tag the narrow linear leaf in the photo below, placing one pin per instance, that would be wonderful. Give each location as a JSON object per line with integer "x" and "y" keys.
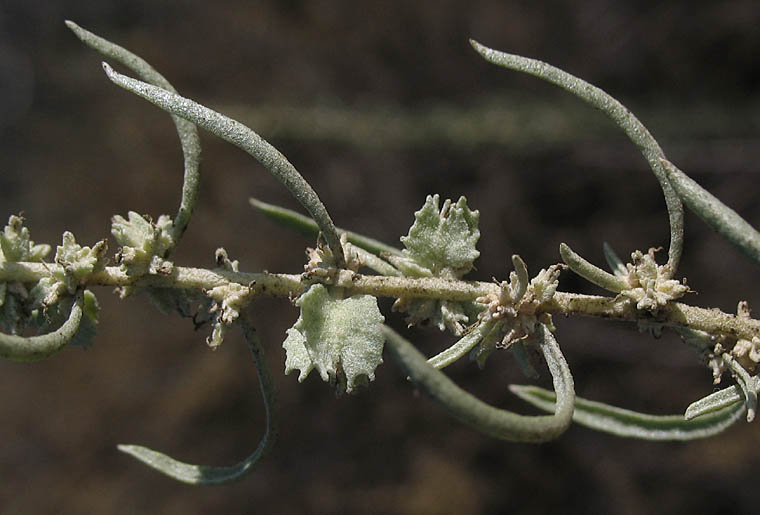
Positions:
{"x": 633, "y": 128}
{"x": 591, "y": 272}
{"x": 88, "y": 325}
{"x": 630, "y": 424}
{"x": 207, "y": 475}
{"x": 471, "y": 410}
{"x": 724, "y": 220}
{"x": 307, "y": 226}
{"x": 188, "y": 133}
{"x": 702, "y": 341}
{"x": 373, "y": 262}
{"x": 36, "y": 348}
{"x": 716, "y": 401}
{"x": 463, "y": 346}
{"x": 745, "y": 383}
{"x": 613, "y": 260}
{"x": 244, "y": 138}
{"x": 523, "y": 360}
{"x": 523, "y": 279}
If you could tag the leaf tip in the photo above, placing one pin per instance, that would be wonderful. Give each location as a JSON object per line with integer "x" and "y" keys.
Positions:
{"x": 76, "y": 29}
{"x": 518, "y": 389}
{"x": 477, "y": 46}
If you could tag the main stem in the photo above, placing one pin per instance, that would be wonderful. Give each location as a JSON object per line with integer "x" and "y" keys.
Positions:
{"x": 674, "y": 314}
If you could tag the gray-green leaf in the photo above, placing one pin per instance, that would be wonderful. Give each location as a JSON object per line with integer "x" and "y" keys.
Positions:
{"x": 307, "y": 226}
{"x": 341, "y": 338}
{"x": 715, "y": 213}
{"x": 16, "y": 243}
{"x": 631, "y": 424}
{"x": 144, "y": 242}
{"x": 486, "y": 418}
{"x": 208, "y": 475}
{"x": 442, "y": 240}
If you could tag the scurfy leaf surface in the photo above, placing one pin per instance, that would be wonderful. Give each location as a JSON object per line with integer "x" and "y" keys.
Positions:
{"x": 340, "y": 338}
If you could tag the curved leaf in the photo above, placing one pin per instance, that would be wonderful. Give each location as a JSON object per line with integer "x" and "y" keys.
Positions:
{"x": 307, "y": 226}
{"x": 631, "y": 424}
{"x": 724, "y": 220}
{"x": 188, "y": 133}
{"x": 462, "y": 346}
{"x": 244, "y": 138}
{"x": 207, "y": 475}
{"x": 483, "y": 417}
{"x": 35, "y": 348}
{"x": 613, "y": 260}
{"x": 715, "y": 401}
{"x": 616, "y": 111}
{"x": 592, "y": 273}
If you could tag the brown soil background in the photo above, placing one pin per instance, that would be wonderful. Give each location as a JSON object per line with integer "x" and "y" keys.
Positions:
{"x": 74, "y": 150}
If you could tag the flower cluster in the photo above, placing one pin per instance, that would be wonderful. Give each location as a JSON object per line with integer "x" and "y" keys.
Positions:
{"x": 649, "y": 285}
{"x": 516, "y": 307}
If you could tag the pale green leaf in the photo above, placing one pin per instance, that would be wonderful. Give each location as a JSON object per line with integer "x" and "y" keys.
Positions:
{"x": 464, "y": 345}
{"x": 143, "y": 242}
{"x": 483, "y": 417}
{"x": 187, "y": 132}
{"x": 340, "y": 338}
{"x": 592, "y": 273}
{"x": 443, "y": 314}
{"x": 441, "y": 243}
{"x": 77, "y": 261}
{"x": 246, "y": 139}
{"x": 35, "y": 348}
{"x": 370, "y": 260}
{"x": 297, "y": 355}
{"x": 716, "y": 401}
{"x": 724, "y": 220}
{"x": 16, "y": 243}
{"x": 443, "y": 239}
{"x": 613, "y": 260}
{"x": 88, "y": 328}
{"x": 631, "y": 424}
{"x": 746, "y": 383}
{"x": 210, "y": 475}
{"x": 307, "y": 226}
{"x": 522, "y": 357}
{"x": 617, "y": 112}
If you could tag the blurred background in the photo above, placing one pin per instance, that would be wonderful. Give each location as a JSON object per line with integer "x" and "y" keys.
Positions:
{"x": 378, "y": 104}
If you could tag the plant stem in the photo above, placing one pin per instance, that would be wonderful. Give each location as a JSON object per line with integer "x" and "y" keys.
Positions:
{"x": 674, "y": 314}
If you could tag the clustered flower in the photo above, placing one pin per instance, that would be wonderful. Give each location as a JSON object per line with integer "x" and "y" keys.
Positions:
{"x": 650, "y": 286}
{"x": 516, "y": 307}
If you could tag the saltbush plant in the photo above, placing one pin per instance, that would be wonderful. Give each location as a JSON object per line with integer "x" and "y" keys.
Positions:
{"x": 340, "y": 333}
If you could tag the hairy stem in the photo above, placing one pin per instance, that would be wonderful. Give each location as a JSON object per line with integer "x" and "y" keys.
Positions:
{"x": 674, "y": 314}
